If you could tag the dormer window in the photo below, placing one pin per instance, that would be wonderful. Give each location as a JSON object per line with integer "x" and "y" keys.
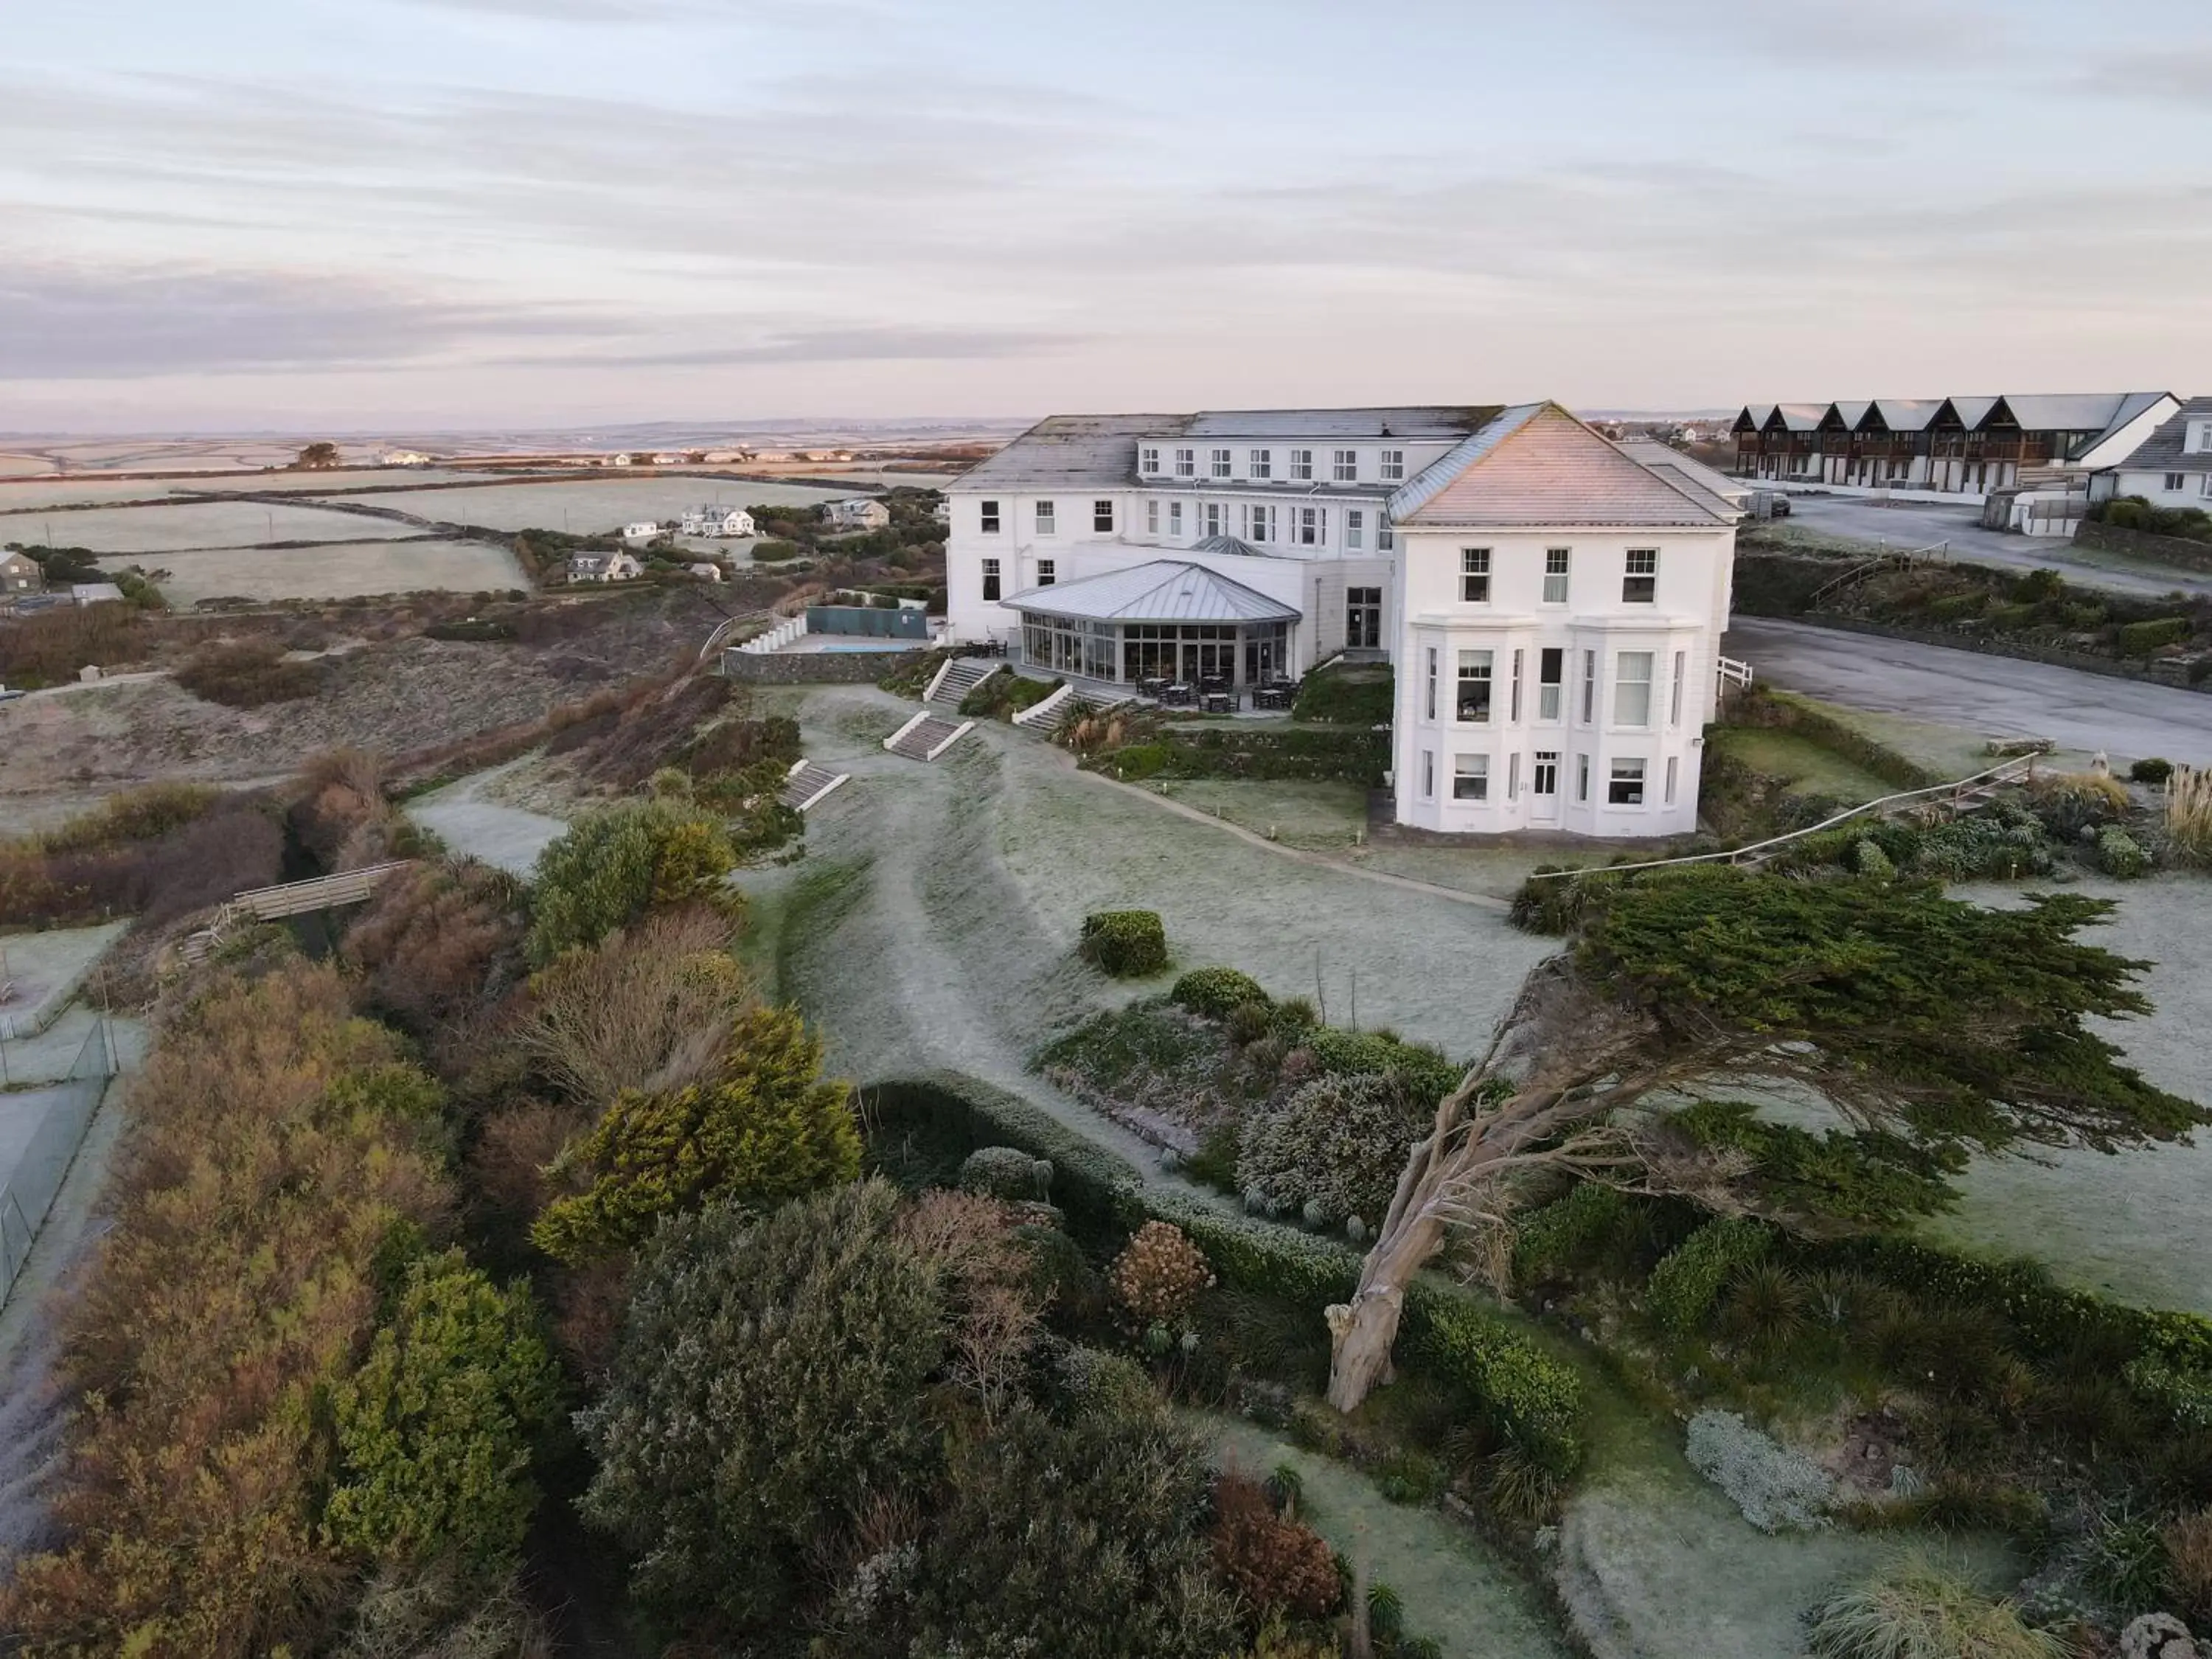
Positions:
{"x": 1394, "y": 465}
{"x": 1263, "y": 464}
{"x": 1186, "y": 464}
{"x": 1220, "y": 459}
{"x": 2200, "y": 437}
{"x": 1302, "y": 463}
{"x": 1148, "y": 461}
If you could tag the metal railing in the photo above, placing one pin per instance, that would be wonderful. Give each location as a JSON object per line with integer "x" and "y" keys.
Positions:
{"x": 2019, "y": 766}
{"x": 29, "y": 1190}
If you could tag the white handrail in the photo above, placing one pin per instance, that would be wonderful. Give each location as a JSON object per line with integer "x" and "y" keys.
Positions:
{"x": 2018, "y": 762}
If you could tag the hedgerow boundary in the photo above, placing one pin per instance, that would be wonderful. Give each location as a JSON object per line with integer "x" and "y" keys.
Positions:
{"x": 1532, "y": 1398}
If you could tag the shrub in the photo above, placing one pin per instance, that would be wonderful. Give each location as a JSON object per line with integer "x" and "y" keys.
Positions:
{"x": 766, "y": 1129}
{"x": 1530, "y": 1397}
{"x": 1554, "y": 899}
{"x": 649, "y": 1006}
{"x": 1564, "y": 1231}
{"x": 2188, "y": 1539}
{"x": 1125, "y": 944}
{"x": 1685, "y": 1283}
{"x": 254, "y": 1196}
{"x": 436, "y": 939}
{"x": 1915, "y": 1607}
{"x": 247, "y": 673}
{"x": 1083, "y": 1537}
{"x": 1159, "y": 1275}
{"x": 2141, "y": 639}
{"x": 2118, "y": 855}
{"x": 2189, "y": 812}
{"x": 1776, "y": 1489}
{"x": 1338, "y": 1143}
{"x": 1217, "y": 992}
{"x": 1273, "y": 1562}
{"x": 2070, "y": 802}
{"x": 1006, "y": 1172}
{"x": 1870, "y": 861}
{"x": 613, "y": 867}
{"x": 434, "y": 1432}
{"x": 2151, "y": 770}
{"x": 1346, "y": 696}
{"x": 1424, "y": 1074}
{"x": 714, "y": 1448}
{"x": 146, "y": 813}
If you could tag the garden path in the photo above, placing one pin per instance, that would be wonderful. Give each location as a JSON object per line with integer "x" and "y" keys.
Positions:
{"x": 468, "y": 823}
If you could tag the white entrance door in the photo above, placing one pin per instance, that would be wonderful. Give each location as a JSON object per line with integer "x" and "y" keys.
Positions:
{"x": 1544, "y": 788}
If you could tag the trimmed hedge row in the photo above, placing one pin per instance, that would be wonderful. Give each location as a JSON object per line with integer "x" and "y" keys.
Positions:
{"x": 1531, "y": 1396}
{"x": 1761, "y": 706}
{"x": 1358, "y": 755}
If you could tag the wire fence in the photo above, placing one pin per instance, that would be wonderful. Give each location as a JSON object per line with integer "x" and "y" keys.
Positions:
{"x": 29, "y": 1190}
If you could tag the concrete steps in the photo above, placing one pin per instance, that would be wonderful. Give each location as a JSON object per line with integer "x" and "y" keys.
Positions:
{"x": 926, "y": 735}
{"x": 958, "y": 677}
{"x": 807, "y": 784}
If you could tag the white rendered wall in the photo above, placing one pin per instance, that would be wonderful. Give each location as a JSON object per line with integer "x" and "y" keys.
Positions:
{"x": 1687, "y": 618}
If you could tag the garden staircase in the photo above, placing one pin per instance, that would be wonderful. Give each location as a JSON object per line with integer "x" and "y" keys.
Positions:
{"x": 926, "y": 735}
{"x": 1066, "y": 703}
{"x": 807, "y": 784}
{"x": 958, "y": 676}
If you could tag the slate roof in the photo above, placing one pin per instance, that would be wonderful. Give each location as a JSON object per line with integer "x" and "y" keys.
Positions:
{"x": 1164, "y": 590}
{"x": 1070, "y": 450}
{"x": 2162, "y": 452}
{"x": 1537, "y": 464}
{"x": 1665, "y": 458}
{"x": 1906, "y": 414}
{"x": 1430, "y": 421}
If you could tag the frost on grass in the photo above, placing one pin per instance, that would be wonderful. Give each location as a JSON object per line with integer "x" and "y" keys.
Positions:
{"x": 1778, "y": 1489}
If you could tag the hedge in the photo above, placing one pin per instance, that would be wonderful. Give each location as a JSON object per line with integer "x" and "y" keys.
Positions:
{"x": 1688, "y": 1278}
{"x": 1358, "y": 755}
{"x": 1761, "y": 706}
{"x": 2141, "y": 639}
{"x": 1126, "y": 944}
{"x": 1531, "y": 1396}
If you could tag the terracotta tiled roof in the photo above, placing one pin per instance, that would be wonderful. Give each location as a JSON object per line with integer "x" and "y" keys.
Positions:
{"x": 1537, "y": 464}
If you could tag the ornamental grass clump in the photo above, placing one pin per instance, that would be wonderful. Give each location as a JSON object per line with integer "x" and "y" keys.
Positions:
{"x": 2189, "y": 813}
{"x": 1159, "y": 1277}
{"x": 1916, "y": 1608}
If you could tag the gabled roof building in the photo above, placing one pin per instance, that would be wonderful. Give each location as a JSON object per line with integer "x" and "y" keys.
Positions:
{"x": 1553, "y": 602}
{"x": 1965, "y": 445}
{"x": 2173, "y": 467}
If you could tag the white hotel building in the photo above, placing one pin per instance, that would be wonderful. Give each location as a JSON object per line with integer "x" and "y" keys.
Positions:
{"x": 1553, "y": 606}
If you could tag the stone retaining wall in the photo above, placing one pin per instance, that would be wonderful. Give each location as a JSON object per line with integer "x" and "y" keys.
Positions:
{"x": 816, "y": 667}
{"x": 2158, "y": 674}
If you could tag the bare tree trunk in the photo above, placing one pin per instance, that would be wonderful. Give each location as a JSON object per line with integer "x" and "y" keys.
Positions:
{"x": 1361, "y": 1332}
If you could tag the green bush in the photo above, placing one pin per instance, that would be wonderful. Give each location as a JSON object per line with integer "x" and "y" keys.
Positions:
{"x": 2141, "y": 639}
{"x": 1006, "y": 1172}
{"x": 1427, "y": 1075}
{"x": 1552, "y": 902}
{"x": 1531, "y": 1398}
{"x": 613, "y": 867}
{"x": 1217, "y": 992}
{"x": 1335, "y": 1147}
{"x": 1566, "y": 1229}
{"x": 1140, "y": 761}
{"x": 2153, "y": 770}
{"x": 767, "y": 1128}
{"x": 715, "y": 1445}
{"x": 248, "y": 673}
{"x": 1347, "y": 694}
{"x": 434, "y": 1431}
{"x": 1870, "y": 861}
{"x": 1125, "y": 944}
{"x": 1687, "y": 1280}
{"x": 2119, "y": 856}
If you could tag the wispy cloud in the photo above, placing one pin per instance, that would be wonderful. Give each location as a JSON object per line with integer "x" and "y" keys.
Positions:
{"x": 2180, "y": 74}
{"x": 886, "y": 344}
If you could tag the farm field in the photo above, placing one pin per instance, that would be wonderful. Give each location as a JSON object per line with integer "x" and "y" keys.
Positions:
{"x": 338, "y": 570}
{"x": 172, "y": 528}
{"x": 593, "y": 505}
{"x": 19, "y": 494}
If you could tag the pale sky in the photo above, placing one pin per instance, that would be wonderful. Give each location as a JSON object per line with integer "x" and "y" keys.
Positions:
{"x": 355, "y": 214}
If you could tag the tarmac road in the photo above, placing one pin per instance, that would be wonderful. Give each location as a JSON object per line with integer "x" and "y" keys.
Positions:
{"x": 1918, "y": 524}
{"x": 1999, "y": 697}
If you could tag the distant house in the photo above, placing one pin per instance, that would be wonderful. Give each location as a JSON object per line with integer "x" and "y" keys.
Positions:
{"x": 2170, "y": 468}
{"x": 861, "y": 513}
{"x": 726, "y": 456}
{"x": 402, "y": 458}
{"x": 705, "y": 572}
{"x": 665, "y": 460}
{"x": 21, "y": 574}
{"x": 644, "y": 530}
{"x": 942, "y": 513}
{"x": 617, "y": 460}
{"x": 95, "y": 593}
{"x": 604, "y": 568}
{"x": 718, "y": 522}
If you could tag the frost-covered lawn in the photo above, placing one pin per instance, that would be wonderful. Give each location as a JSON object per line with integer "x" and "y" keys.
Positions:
{"x": 2138, "y": 1224}
{"x": 1809, "y": 768}
{"x": 1327, "y": 817}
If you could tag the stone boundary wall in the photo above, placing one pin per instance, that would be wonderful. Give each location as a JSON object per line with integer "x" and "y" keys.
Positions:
{"x": 2157, "y": 673}
{"x": 817, "y": 667}
{"x": 2140, "y": 545}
